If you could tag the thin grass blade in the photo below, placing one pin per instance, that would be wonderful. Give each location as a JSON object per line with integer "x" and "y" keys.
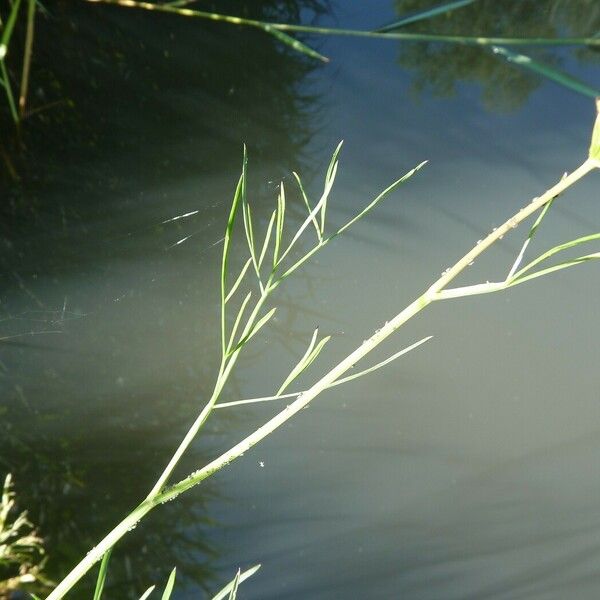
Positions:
{"x": 237, "y": 321}
{"x": 338, "y": 382}
{"x": 297, "y": 45}
{"x": 8, "y": 28}
{"x": 221, "y": 594}
{"x": 249, "y": 230}
{"x": 308, "y": 357}
{"x": 280, "y": 222}
{"x": 564, "y": 265}
{"x": 380, "y": 197}
{"x": 422, "y": 15}
{"x": 414, "y": 37}
{"x": 147, "y": 593}
{"x": 530, "y": 236}
{"x": 259, "y": 325}
{"x": 237, "y": 197}
{"x": 170, "y": 584}
{"x": 329, "y": 179}
{"x": 234, "y": 587}
{"x": 560, "y": 248}
{"x": 318, "y": 208}
{"x": 235, "y": 286}
{"x": 102, "y": 575}
{"x": 307, "y": 204}
{"x": 546, "y": 71}
{"x": 382, "y": 363}
{"x": 265, "y": 245}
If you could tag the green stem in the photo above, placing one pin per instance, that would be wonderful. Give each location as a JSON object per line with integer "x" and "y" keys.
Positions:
{"x": 158, "y": 495}
{"x": 423, "y": 37}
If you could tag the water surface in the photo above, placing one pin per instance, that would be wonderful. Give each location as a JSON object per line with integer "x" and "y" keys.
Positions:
{"x": 467, "y": 470}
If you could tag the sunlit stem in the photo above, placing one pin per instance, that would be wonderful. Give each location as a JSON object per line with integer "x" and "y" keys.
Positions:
{"x": 159, "y": 495}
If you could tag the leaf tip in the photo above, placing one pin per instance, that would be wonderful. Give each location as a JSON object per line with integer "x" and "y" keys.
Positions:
{"x": 594, "y": 152}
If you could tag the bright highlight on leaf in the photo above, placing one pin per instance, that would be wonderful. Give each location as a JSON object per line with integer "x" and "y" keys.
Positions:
{"x": 595, "y": 145}
{"x": 546, "y": 71}
{"x": 239, "y": 578}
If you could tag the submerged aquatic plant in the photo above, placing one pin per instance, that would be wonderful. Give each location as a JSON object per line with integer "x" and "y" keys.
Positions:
{"x": 22, "y": 554}
{"x": 270, "y": 261}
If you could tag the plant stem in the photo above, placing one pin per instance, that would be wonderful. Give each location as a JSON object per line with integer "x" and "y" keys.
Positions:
{"x": 157, "y": 496}
{"x": 423, "y": 37}
{"x": 9, "y": 95}
{"x": 224, "y": 372}
{"x": 27, "y": 54}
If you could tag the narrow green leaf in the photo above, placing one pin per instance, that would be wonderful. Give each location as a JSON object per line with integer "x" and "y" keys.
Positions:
{"x": 320, "y": 206}
{"x": 595, "y": 145}
{"x": 234, "y": 587}
{"x": 221, "y": 594}
{"x": 102, "y": 575}
{"x": 170, "y": 584}
{"x": 382, "y": 363}
{"x": 307, "y": 204}
{"x": 530, "y": 236}
{"x": 546, "y": 71}
{"x": 147, "y": 592}
{"x": 475, "y": 40}
{"x": 293, "y": 43}
{"x": 265, "y": 245}
{"x": 380, "y": 197}
{"x": 280, "y": 221}
{"x": 248, "y": 228}
{"x": 564, "y": 265}
{"x": 227, "y": 241}
{"x": 556, "y": 249}
{"x": 259, "y": 325}
{"x": 338, "y": 382}
{"x": 329, "y": 179}
{"x": 8, "y": 28}
{"x": 300, "y": 366}
{"x": 235, "y": 286}
{"x": 237, "y": 322}
{"x": 422, "y": 15}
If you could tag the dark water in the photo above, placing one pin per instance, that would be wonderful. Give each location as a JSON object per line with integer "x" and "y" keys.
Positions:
{"x": 468, "y": 470}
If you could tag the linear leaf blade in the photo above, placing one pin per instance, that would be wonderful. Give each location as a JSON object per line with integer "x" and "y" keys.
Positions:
{"x": 546, "y": 71}
{"x": 221, "y": 594}
{"x": 422, "y": 15}
{"x": 294, "y": 43}
{"x": 102, "y": 575}
{"x": 170, "y": 584}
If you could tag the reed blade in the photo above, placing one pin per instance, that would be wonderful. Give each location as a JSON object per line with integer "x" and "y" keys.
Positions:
{"x": 422, "y": 15}
{"x": 102, "y": 576}
{"x": 169, "y": 587}
{"x": 546, "y": 71}
{"x": 223, "y": 593}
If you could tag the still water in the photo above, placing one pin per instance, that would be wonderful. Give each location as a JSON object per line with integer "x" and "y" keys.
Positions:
{"x": 469, "y": 469}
